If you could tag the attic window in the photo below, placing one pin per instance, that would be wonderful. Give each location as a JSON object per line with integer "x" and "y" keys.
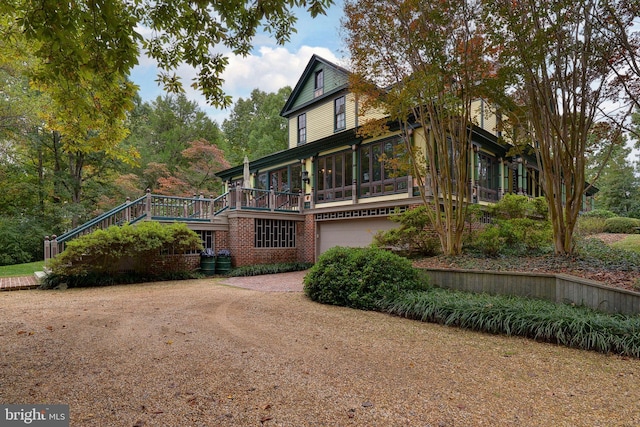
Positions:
{"x": 318, "y": 84}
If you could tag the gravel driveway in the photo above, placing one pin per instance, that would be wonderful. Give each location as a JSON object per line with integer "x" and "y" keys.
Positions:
{"x": 198, "y": 353}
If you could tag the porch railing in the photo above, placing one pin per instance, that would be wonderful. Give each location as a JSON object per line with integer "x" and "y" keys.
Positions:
{"x": 171, "y": 208}
{"x": 266, "y": 200}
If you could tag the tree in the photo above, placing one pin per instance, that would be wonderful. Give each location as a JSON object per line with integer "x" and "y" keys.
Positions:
{"x": 254, "y": 127}
{"x": 619, "y": 186}
{"x": 431, "y": 60}
{"x": 171, "y": 124}
{"x": 557, "y": 56}
{"x": 163, "y": 131}
{"x": 93, "y": 37}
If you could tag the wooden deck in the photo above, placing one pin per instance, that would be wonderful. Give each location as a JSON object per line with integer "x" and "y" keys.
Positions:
{"x": 18, "y": 283}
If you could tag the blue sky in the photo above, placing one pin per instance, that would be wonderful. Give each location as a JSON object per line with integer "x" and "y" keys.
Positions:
{"x": 269, "y": 67}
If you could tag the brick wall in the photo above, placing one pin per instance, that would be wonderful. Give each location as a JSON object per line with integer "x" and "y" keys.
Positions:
{"x": 305, "y": 239}
{"x": 241, "y": 243}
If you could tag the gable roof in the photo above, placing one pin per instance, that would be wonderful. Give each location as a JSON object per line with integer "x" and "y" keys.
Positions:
{"x": 336, "y": 80}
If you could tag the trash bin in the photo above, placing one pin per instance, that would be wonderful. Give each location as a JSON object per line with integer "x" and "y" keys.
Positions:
{"x": 208, "y": 263}
{"x": 223, "y": 265}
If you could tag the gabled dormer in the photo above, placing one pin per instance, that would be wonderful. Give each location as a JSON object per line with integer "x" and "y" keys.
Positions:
{"x": 319, "y": 105}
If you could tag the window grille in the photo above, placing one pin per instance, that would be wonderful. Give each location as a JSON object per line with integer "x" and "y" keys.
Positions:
{"x": 275, "y": 233}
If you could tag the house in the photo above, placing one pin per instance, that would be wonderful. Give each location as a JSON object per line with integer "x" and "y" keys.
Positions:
{"x": 347, "y": 194}
{"x": 329, "y": 187}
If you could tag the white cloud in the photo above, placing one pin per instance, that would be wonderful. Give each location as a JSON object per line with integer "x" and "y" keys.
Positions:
{"x": 270, "y": 69}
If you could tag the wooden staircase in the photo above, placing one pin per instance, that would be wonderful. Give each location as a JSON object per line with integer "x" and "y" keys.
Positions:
{"x": 195, "y": 209}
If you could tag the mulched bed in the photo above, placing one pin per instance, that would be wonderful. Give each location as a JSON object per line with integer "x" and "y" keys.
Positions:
{"x": 623, "y": 277}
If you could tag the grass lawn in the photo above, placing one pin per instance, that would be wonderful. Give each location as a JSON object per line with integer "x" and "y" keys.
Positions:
{"x": 629, "y": 243}
{"x": 21, "y": 269}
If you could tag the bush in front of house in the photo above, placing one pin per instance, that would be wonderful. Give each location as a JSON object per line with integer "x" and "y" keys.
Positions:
{"x": 621, "y": 224}
{"x": 124, "y": 254}
{"x": 412, "y": 237}
{"x": 259, "y": 269}
{"x": 361, "y": 277}
{"x": 567, "y": 325}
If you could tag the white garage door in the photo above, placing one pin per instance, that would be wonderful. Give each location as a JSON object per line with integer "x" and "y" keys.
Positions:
{"x": 350, "y": 232}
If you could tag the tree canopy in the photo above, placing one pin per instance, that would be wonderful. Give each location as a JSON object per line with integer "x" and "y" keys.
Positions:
{"x": 91, "y": 37}
{"x": 553, "y": 69}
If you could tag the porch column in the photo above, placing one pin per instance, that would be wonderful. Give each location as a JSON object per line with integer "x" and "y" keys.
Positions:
{"x": 524, "y": 178}
{"x": 354, "y": 173}
{"x": 475, "y": 164}
{"x": 500, "y": 178}
{"x": 312, "y": 177}
{"x": 520, "y": 192}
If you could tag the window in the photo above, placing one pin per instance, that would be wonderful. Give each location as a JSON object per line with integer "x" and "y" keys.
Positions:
{"x": 275, "y": 233}
{"x": 339, "y": 122}
{"x": 287, "y": 179}
{"x": 318, "y": 85}
{"x": 487, "y": 177}
{"x": 302, "y": 129}
{"x": 376, "y": 177}
{"x": 207, "y": 240}
{"x": 335, "y": 177}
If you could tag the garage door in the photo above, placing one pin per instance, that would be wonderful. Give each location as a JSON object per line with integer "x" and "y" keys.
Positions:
{"x": 350, "y": 232}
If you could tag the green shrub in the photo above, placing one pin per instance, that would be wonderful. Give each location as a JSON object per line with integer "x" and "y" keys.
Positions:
{"x": 621, "y": 225}
{"x": 259, "y": 269}
{"x": 514, "y": 237}
{"x": 598, "y": 213}
{"x": 490, "y": 241}
{"x": 412, "y": 237}
{"x": 360, "y": 277}
{"x": 566, "y": 325}
{"x": 137, "y": 250}
{"x": 588, "y": 225}
{"x": 513, "y": 206}
{"x": 20, "y": 240}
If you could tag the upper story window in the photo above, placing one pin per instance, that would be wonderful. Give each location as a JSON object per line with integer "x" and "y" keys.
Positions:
{"x": 318, "y": 84}
{"x": 339, "y": 121}
{"x": 302, "y": 129}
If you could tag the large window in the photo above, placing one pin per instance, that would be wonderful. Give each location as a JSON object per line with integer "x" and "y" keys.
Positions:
{"x": 334, "y": 177}
{"x": 275, "y": 233}
{"x": 302, "y": 129}
{"x": 339, "y": 122}
{"x": 376, "y": 176}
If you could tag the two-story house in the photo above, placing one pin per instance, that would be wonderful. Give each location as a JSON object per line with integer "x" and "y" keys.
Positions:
{"x": 346, "y": 192}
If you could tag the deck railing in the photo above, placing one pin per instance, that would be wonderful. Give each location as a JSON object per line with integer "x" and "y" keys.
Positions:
{"x": 171, "y": 208}
{"x": 266, "y": 200}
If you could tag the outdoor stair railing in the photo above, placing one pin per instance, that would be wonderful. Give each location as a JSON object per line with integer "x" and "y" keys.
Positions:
{"x": 171, "y": 208}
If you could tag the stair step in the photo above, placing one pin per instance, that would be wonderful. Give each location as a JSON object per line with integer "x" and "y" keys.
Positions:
{"x": 40, "y": 275}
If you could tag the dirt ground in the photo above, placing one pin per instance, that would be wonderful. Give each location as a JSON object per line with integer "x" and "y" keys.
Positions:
{"x": 197, "y": 353}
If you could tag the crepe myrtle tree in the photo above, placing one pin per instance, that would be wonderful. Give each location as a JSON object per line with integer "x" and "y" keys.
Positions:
{"x": 423, "y": 63}
{"x": 556, "y": 57}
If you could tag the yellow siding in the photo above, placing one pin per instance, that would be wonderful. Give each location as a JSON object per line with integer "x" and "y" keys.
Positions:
{"x": 293, "y": 132}
{"x": 320, "y": 120}
{"x": 484, "y": 116}
{"x": 352, "y": 111}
